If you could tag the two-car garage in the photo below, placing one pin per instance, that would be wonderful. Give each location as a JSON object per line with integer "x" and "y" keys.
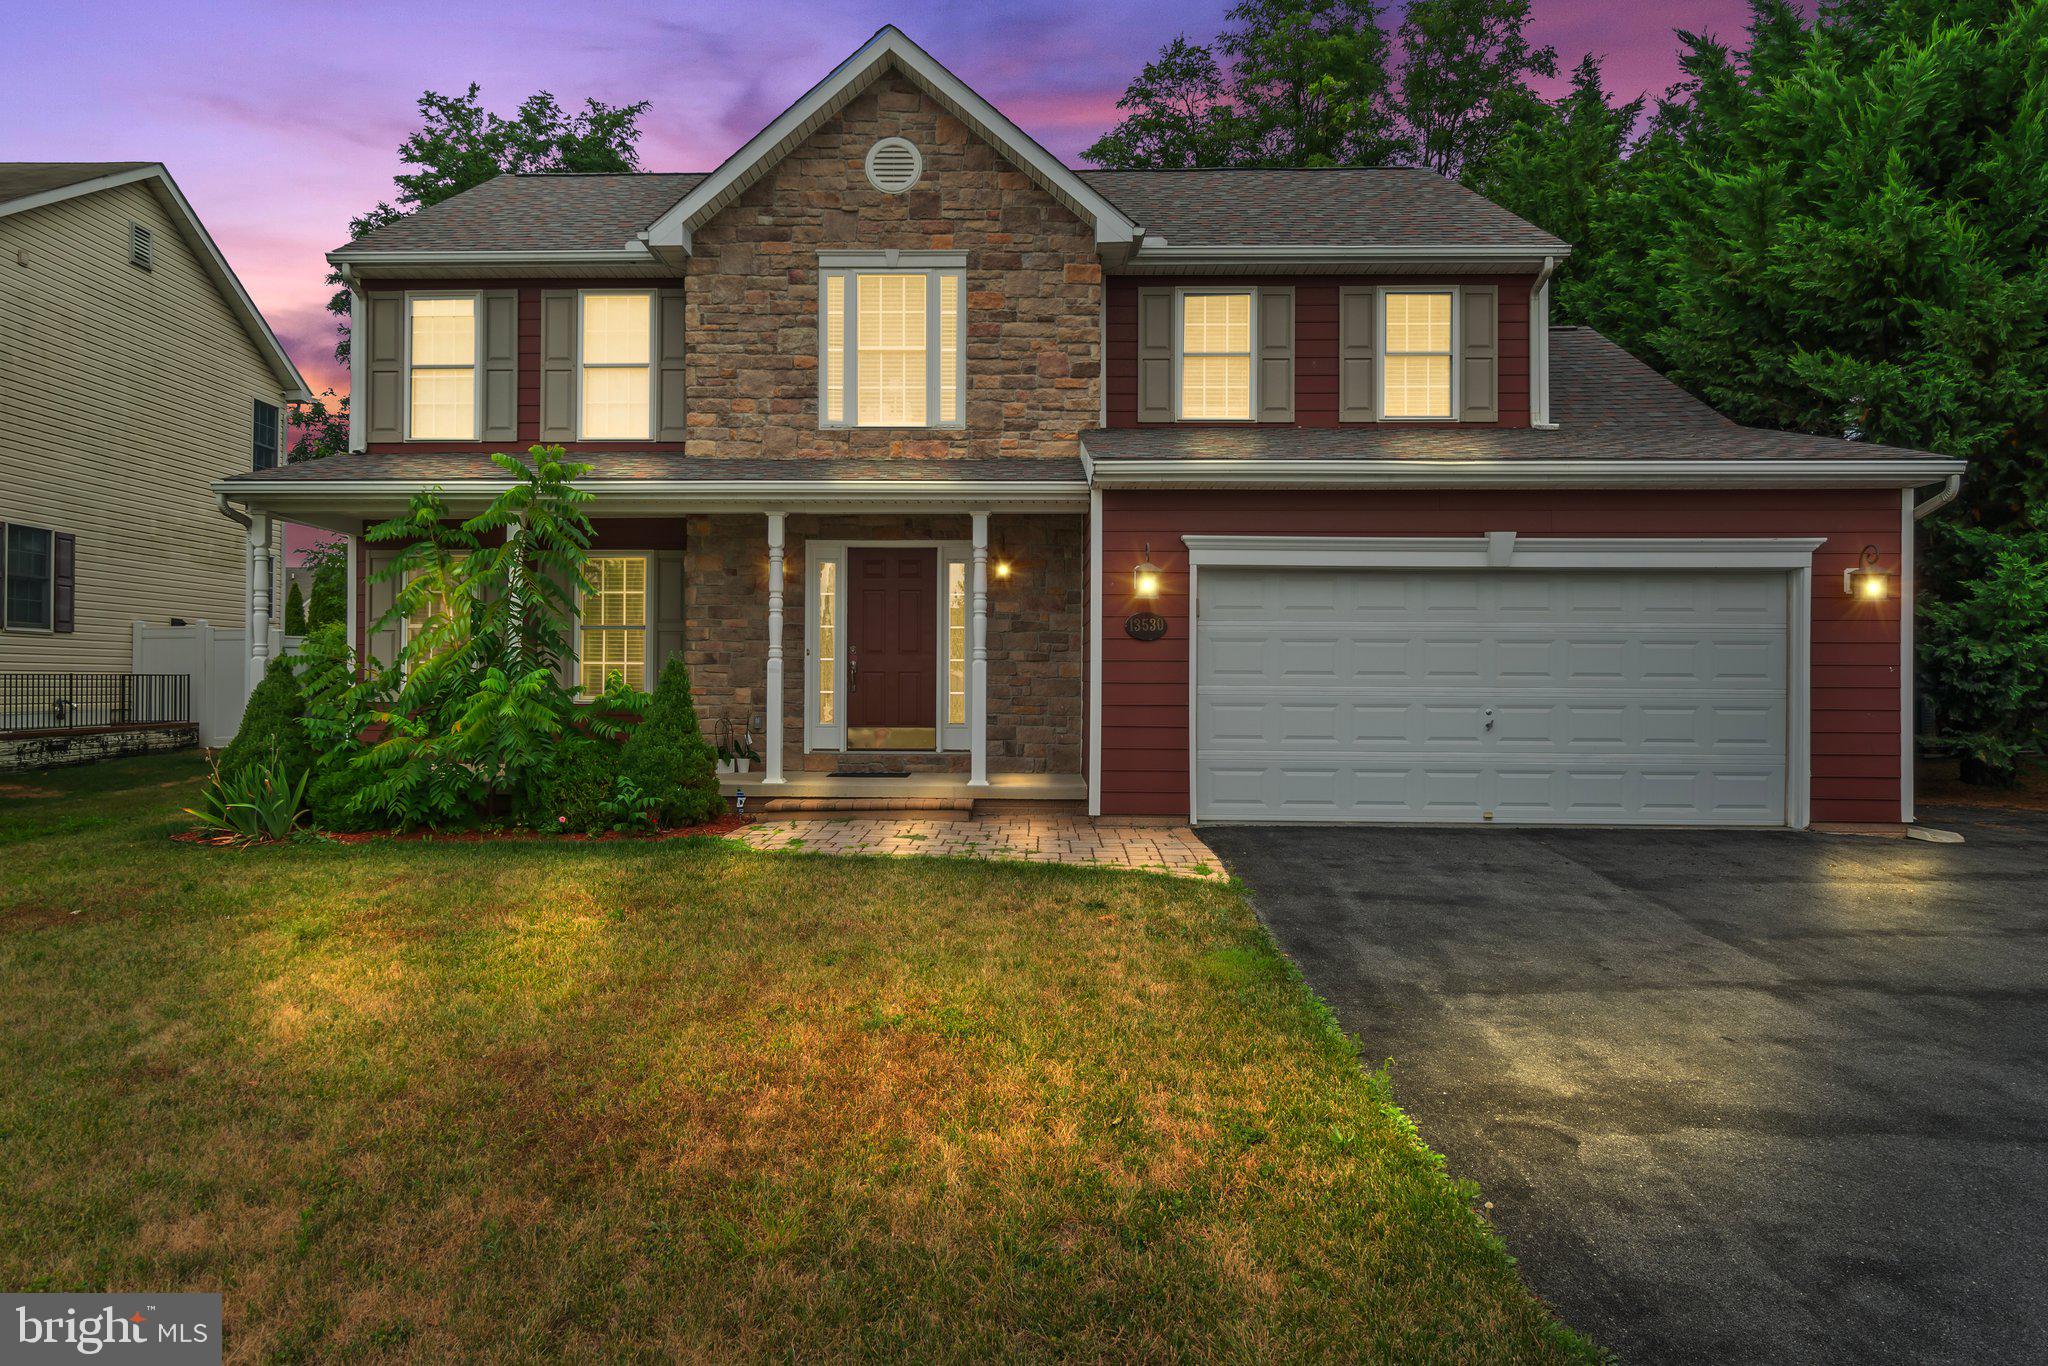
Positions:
{"x": 1434, "y": 684}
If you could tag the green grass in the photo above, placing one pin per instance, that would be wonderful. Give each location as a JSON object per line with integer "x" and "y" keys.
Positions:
{"x": 419, "y": 1101}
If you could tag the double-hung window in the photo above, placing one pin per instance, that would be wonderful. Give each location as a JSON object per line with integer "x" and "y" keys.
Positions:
{"x": 30, "y": 566}
{"x": 617, "y": 366}
{"x": 1215, "y": 354}
{"x": 612, "y": 631}
{"x": 890, "y": 346}
{"x": 266, "y": 436}
{"x": 1418, "y": 352}
{"x": 441, "y": 366}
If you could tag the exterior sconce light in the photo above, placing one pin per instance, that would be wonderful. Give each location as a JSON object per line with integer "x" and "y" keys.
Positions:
{"x": 1145, "y": 624}
{"x": 1865, "y": 581}
{"x": 1002, "y": 566}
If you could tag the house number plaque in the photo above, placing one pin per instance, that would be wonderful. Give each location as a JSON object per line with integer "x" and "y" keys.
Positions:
{"x": 1145, "y": 626}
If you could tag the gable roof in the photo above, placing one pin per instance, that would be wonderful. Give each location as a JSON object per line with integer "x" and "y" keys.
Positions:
{"x": 1611, "y": 409}
{"x": 1349, "y": 206}
{"x": 26, "y": 185}
{"x": 889, "y": 49}
{"x": 543, "y": 212}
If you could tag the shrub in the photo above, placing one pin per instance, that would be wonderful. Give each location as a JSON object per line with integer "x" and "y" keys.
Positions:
{"x": 1984, "y": 650}
{"x": 261, "y": 801}
{"x": 294, "y": 611}
{"x": 272, "y": 724}
{"x": 667, "y": 759}
{"x": 575, "y": 793}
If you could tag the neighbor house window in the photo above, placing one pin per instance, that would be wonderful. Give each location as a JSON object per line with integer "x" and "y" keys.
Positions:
{"x": 31, "y": 577}
{"x": 1418, "y": 354}
{"x": 890, "y": 348}
{"x": 1216, "y": 356}
{"x": 613, "y": 629}
{"x": 441, "y": 358}
{"x": 618, "y": 348}
{"x": 266, "y": 436}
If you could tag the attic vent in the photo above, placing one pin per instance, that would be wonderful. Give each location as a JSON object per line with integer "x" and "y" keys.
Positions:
{"x": 894, "y": 165}
{"x": 141, "y": 246}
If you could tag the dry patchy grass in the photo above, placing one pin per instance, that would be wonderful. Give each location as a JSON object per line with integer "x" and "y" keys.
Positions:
{"x": 554, "y": 1101}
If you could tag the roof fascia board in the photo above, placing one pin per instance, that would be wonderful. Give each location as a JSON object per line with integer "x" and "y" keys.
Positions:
{"x": 764, "y": 492}
{"x": 216, "y": 265}
{"x": 1153, "y": 253}
{"x": 1517, "y": 473}
{"x": 635, "y": 254}
{"x": 673, "y": 228}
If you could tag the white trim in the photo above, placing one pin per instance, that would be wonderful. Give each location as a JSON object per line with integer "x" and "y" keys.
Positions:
{"x": 1156, "y": 251}
{"x": 210, "y": 259}
{"x": 1539, "y": 349}
{"x": 358, "y": 368}
{"x": 351, "y": 561}
{"x": 1097, "y": 606}
{"x": 1451, "y": 357}
{"x": 1517, "y": 472}
{"x": 476, "y": 364}
{"x": 1791, "y": 556}
{"x": 653, "y": 298}
{"x": 1483, "y": 552}
{"x": 1251, "y": 355}
{"x": 892, "y": 259}
{"x": 1908, "y": 569}
{"x": 895, "y": 263}
{"x": 631, "y": 254}
{"x": 318, "y": 501}
{"x": 771, "y": 724}
{"x": 888, "y": 46}
{"x": 977, "y": 657}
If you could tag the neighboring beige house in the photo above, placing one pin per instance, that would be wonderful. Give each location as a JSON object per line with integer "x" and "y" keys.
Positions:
{"x": 133, "y": 369}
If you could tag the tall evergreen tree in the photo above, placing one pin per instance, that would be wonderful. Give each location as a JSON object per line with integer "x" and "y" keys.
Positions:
{"x": 1465, "y": 73}
{"x": 1310, "y": 82}
{"x": 1177, "y": 115}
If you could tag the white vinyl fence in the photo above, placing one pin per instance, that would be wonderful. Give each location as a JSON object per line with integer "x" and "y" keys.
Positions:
{"x": 217, "y": 661}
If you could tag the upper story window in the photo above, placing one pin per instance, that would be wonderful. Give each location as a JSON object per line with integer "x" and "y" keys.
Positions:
{"x": 617, "y": 366}
{"x": 889, "y": 342}
{"x": 441, "y": 367}
{"x": 1418, "y": 352}
{"x": 266, "y": 437}
{"x": 1215, "y": 355}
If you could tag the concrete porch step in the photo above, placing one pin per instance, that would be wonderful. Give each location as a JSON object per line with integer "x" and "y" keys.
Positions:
{"x": 830, "y": 808}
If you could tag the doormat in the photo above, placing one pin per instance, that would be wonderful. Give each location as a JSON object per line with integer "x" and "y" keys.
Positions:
{"x": 869, "y": 773}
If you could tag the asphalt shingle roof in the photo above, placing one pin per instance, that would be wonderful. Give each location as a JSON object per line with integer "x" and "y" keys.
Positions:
{"x": 20, "y": 179}
{"x": 1608, "y": 406}
{"x": 1336, "y": 206}
{"x": 450, "y": 467}
{"x": 565, "y": 211}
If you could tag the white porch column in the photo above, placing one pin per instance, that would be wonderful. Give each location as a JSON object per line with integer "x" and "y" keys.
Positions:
{"x": 351, "y": 552}
{"x": 259, "y": 596}
{"x": 772, "y": 721}
{"x": 977, "y": 661}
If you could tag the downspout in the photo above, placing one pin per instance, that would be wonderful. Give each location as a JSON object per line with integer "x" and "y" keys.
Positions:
{"x": 1949, "y": 489}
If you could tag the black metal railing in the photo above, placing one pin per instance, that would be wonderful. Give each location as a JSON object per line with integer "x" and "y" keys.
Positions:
{"x": 59, "y": 702}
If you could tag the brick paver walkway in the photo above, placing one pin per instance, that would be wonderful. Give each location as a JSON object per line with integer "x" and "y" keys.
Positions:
{"x": 1039, "y": 839}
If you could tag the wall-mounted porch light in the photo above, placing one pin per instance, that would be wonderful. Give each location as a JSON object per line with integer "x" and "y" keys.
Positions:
{"x": 1865, "y": 580}
{"x": 1145, "y": 624}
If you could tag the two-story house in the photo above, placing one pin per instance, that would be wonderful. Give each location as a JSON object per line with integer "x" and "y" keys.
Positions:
{"x": 1224, "y": 495}
{"x": 133, "y": 368}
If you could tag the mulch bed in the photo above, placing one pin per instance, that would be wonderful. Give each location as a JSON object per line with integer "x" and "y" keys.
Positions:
{"x": 724, "y": 825}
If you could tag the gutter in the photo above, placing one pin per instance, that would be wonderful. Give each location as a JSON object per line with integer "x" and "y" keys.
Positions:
{"x": 1522, "y": 473}
{"x": 1949, "y": 489}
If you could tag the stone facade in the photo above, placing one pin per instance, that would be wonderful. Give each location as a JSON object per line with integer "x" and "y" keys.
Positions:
{"x": 1036, "y": 631}
{"x": 1033, "y": 306}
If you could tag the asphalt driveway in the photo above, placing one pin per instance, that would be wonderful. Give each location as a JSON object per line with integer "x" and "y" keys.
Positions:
{"x": 1734, "y": 1097}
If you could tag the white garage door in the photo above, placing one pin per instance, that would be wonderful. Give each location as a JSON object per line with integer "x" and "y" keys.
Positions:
{"x": 1507, "y": 696}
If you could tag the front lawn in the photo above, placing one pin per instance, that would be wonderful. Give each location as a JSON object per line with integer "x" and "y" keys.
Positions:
{"x": 557, "y": 1101}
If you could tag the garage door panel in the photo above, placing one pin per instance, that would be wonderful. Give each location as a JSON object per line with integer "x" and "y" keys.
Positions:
{"x": 1366, "y": 695}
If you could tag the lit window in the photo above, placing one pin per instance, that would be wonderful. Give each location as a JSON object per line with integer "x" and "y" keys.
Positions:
{"x": 891, "y": 349}
{"x": 30, "y": 571}
{"x": 1418, "y": 359}
{"x": 1216, "y": 356}
{"x": 442, "y": 348}
{"x": 618, "y": 342}
{"x": 436, "y": 602}
{"x": 612, "y": 632}
{"x": 828, "y": 641}
{"x": 956, "y": 643}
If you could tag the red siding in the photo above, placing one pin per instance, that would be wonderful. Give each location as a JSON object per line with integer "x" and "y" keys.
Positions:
{"x": 529, "y": 364}
{"x": 1855, "y": 661}
{"x": 1315, "y": 340}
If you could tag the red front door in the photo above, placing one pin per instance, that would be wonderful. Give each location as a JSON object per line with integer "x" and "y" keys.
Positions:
{"x": 892, "y": 660}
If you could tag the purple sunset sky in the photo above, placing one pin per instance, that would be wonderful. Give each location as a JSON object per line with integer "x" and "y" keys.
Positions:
{"x": 280, "y": 121}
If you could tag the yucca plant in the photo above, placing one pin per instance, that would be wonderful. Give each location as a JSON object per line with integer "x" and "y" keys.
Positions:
{"x": 258, "y": 801}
